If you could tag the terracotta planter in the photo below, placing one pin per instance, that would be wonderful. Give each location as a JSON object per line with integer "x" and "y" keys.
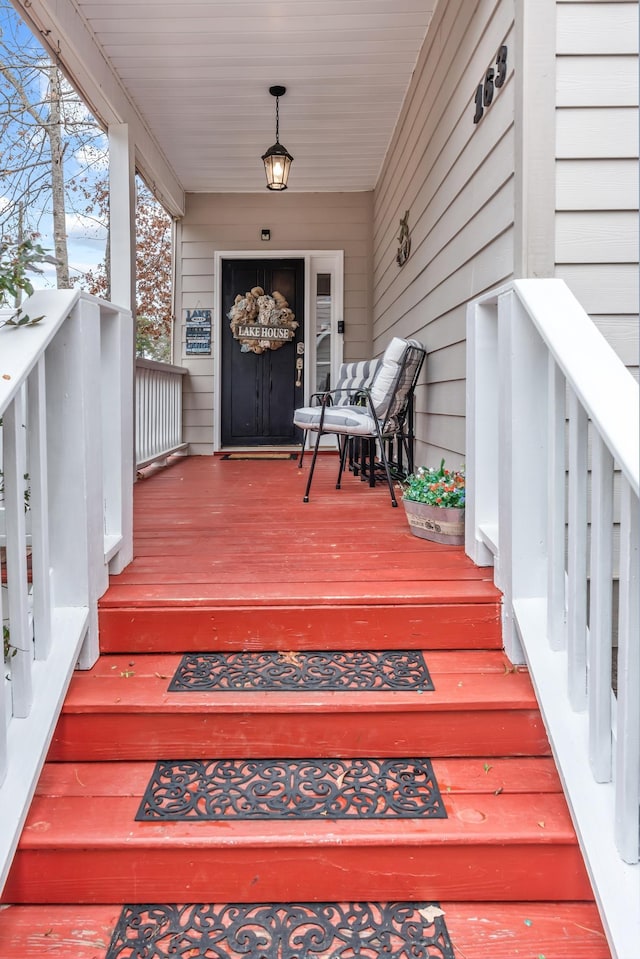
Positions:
{"x": 436, "y": 523}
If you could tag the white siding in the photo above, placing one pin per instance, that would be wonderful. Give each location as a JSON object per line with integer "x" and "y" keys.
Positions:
{"x": 297, "y": 221}
{"x": 597, "y": 185}
{"x": 456, "y": 180}
{"x": 597, "y": 164}
{"x": 481, "y": 197}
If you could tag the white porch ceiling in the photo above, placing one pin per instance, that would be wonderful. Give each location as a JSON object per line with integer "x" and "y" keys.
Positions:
{"x": 199, "y": 71}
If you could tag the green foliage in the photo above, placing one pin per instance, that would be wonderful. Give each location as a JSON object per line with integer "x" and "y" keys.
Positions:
{"x": 437, "y": 487}
{"x": 17, "y": 261}
{"x": 27, "y": 489}
{"x": 153, "y": 341}
{"x": 9, "y": 650}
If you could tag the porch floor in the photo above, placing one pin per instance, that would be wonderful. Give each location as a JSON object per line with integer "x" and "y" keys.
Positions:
{"x": 229, "y": 559}
{"x": 234, "y": 537}
{"x": 209, "y": 527}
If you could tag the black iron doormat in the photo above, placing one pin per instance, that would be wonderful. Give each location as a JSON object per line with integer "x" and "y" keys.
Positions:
{"x": 301, "y": 671}
{"x": 395, "y": 930}
{"x": 273, "y": 789}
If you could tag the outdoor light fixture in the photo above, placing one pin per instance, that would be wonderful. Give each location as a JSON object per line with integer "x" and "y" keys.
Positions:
{"x": 277, "y": 161}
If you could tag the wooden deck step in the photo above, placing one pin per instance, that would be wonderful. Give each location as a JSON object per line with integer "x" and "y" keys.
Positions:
{"x": 83, "y": 844}
{"x": 477, "y": 930}
{"x": 121, "y": 709}
{"x": 172, "y": 618}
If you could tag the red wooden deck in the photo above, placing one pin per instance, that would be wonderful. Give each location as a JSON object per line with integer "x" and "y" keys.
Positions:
{"x": 227, "y": 557}
{"x": 220, "y": 545}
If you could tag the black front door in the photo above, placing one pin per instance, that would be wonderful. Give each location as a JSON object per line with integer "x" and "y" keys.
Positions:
{"x": 259, "y": 390}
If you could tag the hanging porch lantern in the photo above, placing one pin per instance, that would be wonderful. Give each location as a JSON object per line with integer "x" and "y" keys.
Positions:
{"x": 277, "y": 160}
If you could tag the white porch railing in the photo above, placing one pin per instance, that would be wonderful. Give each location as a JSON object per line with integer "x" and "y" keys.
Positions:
{"x": 535, "y": 363}
{"x": 158, "y": 411}
{"x": 66, "y": 395}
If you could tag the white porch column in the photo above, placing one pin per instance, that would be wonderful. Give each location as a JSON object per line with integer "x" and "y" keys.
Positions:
{"x": 122, "y": 207}
{"x": 122, "y": 215}
{"x": 535, "y": 132}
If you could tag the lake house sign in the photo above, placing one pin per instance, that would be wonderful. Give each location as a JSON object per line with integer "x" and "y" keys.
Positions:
{"x": 261, "y": 321}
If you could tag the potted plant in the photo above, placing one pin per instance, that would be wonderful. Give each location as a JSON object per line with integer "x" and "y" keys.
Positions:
{"x": 434, "y": 503}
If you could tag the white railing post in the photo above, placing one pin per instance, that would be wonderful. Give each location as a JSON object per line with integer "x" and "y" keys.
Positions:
{"x": 600, "y": 611}
{"x": 507, "y": 470}
{"x": 483, "y": 481}
{"x": 628, "y": 714}
{"x": 69, "y": 443}
{"x": 89, "y": 315}
{"x": 117, "y": 438}
{"x": 15, "y": 470}
{"x": 556, "y": 517}
{"x": 529, "y": 451}
{"x": 523, "y": 494}
{"x": 39, "y": 498}
{"x": 577, "y": 554}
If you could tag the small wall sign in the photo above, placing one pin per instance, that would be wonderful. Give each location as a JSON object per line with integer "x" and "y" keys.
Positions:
{"x": 404, "y": 240}
{"x": 493, "y": 80}
{"x": 197, "y": 332}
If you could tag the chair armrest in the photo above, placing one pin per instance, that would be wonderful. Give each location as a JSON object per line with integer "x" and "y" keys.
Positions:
{"x": 354, "y": 395}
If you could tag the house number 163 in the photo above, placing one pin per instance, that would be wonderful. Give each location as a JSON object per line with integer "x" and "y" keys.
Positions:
{"x": 493, "y": 79}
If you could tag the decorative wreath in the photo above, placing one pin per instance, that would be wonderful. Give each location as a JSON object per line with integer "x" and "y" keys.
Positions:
{"x": 261, "y": 321}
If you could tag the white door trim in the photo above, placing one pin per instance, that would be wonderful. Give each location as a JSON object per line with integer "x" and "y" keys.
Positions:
{"x": 312, "y": 260}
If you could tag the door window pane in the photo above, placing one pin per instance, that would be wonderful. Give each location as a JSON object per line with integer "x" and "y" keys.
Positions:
{"x": 323, "y": 331}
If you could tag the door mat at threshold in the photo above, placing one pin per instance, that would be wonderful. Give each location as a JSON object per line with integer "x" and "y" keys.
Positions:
{"x": 396, "y": 930}
{"x": 259, "y": 456}
{"x": 356, "y": 671}
{"x": 277, "y": 789}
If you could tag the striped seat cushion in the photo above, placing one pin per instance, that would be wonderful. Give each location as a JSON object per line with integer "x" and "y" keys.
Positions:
{"x": 355, "y": 420}
{"x": 352, "y": 377}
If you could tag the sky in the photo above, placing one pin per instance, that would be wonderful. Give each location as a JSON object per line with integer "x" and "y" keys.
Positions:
{"x": 86, "y": 238}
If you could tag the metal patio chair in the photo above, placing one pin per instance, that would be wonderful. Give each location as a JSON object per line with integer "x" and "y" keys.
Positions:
{"x": 353, "y": 377}
{"x": 383, "y": 416}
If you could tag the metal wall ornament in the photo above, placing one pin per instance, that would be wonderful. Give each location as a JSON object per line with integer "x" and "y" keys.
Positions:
{"x": 404, "y": 240}
{"x": 261, "y": 321}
